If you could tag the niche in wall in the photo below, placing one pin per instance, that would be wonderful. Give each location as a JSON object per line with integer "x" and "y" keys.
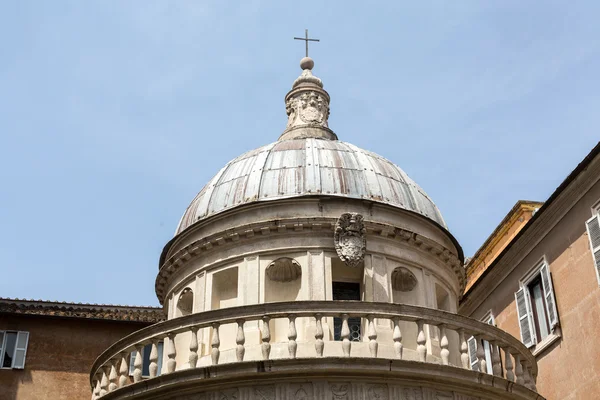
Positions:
{"x": 442, "y": 298}
{"x": 185, "y": 302}
{"x": 405, "y": 286}
{"x": 282, "y": 283}
{"x": 225, "y": 289}
{"x": 284, "y": 269}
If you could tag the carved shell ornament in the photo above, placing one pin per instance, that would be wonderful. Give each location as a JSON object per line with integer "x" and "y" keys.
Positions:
{"x": 349, "y": 239}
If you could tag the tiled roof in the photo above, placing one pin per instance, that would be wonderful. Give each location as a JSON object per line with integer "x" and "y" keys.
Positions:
{"x": 82, "y": 310}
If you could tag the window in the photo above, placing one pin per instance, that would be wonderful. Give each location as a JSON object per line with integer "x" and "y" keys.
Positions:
{"x": 146, "y": 359}
{"x": 593, "y": 230}
{"x": 536, "y": 306}
{"x": 473, "y": 344}
{"x": 13, "y": 348}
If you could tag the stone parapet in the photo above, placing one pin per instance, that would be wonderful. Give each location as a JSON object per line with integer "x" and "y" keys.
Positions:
{"x": 513, "y": 366}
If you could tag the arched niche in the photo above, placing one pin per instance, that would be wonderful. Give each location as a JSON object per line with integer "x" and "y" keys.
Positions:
{"x": 282, "y": 282}
{"x": 185, "y": 302}
{"x": 403, "y": 280}
{"x": 284, "y": 269}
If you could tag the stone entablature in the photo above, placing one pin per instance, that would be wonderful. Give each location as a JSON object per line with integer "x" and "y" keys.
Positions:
{"x": 516, "y": 369}
{"x": 234, "y": 237}
{"x": 261, "y": 228}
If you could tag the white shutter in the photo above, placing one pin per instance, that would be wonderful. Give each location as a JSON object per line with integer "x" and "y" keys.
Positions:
{"x": 524, "y": 314}
{"x": 2, "y": 337}
{"x": 473, "y": 353}
{"x": 20, "y": 350}
{"x": 549, "y": 298}
{"x": 593, "y": 229}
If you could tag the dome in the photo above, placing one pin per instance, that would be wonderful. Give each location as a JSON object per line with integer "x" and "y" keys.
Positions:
{"x": 308, "y": 160}
{"x": 308, "y": 167}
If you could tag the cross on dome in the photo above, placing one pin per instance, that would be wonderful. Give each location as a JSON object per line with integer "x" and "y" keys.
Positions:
{"x": 306, "y": 40}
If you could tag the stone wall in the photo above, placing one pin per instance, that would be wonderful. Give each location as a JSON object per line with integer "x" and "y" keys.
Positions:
{"x": 60, "y": 354}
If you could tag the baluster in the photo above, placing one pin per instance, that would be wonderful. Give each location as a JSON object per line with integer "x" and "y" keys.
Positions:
{"x": 518, "y": 369}
{"x": 112, "y": 377}
{"x": 193, "y": 358}
{"x": 104, "y": 382}
{"x": 319, "y": 344}
{"x": 137, "y": 364}
{"x": 464, "y": 350}
{"x": 397, "y": 338}
{"x": 292, "y": 335}
{"x": 496, "y": 362}
{"x": 153, "y": 366}
{"x": 97, "y": 388}
{"x": 345, "y": 335}
{"x": 123, "y": 370}
{"x": 171, "y": 353}
{"x": 421, "y": 342}
{"x": 372, "y": 336}
{"x": 266, "y": 338}
{"x": 481, "y": 355}
{"x": 526, "y": 375}
{"x": 533, "y": 379}
{"x": 444, "y": 353}
{"x": 215, "y": 343}
{"x": 240, "y": 339}
{"x": 508, "y": 365}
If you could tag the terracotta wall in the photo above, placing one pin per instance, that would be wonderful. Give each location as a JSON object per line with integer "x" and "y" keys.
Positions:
{"x": 59, "y": 355}
{"x": 570, "y": 367}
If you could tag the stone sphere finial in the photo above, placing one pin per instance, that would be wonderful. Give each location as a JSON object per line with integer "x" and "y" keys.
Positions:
{"x": 307, "y": 63}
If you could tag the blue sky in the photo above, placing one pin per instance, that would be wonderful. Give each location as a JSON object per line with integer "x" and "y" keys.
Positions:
{"x": 114, "y": 114}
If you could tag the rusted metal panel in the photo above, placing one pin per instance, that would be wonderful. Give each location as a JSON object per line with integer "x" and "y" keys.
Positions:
{"x": 301, "y": 167}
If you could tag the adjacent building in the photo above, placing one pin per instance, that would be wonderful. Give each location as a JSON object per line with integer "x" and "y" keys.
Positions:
{"x": 47, "y": 348}
{"x": 542, "y": 285}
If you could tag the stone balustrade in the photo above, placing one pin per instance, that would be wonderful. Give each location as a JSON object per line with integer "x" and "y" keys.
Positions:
{"x": 510, "y": 359}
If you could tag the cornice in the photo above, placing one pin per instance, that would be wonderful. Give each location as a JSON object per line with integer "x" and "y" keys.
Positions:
{"x": 297, "y": 226}
{"x": 82, "y": 311}
{"x": 530, "y": 236}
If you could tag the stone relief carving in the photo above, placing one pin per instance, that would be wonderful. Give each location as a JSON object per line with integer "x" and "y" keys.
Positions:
{"x": 377, "y": 392}
{"x": 350, "y": 239}
{"x": 307, "y": 108}
{"x": 264, "y": 393}
{"x": 339, "y": 391}
{"x": 284, "y": 269}
{"x": 229, "y": 394}
{"x": 332, "y": 391}
{"x": 403, "y": 280}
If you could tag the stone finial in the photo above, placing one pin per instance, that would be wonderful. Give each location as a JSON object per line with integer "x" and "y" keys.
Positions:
{"x": 307, "y": 107}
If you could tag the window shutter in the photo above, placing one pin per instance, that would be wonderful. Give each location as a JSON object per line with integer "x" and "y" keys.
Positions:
{"x": 473, "y": 353}
{"x": 524, "y": 314}
{"x": 160, "y": 357}
{"x": 549, "y": 295}
{"x": 2, "y": 335}
{"x": 593, "y": 229}
{"x": 20, "y": 350}
{"x": 131, "y": 361}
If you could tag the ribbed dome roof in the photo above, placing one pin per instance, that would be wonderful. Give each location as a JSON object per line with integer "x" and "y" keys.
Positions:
{"x": 308, "y": 167}
{"x": 308, "y": 160}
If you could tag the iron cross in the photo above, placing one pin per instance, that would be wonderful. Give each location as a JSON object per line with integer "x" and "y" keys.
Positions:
{"x": 306, "y": 40}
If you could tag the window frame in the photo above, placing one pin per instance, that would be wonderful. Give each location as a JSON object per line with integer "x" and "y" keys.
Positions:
{"x": 132, "y": 355}
{"x": 473, "y": 345}
{"x": 594, "y": 250}
{"x": 15, "y": 350}
{"x": 547, "y": 286}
